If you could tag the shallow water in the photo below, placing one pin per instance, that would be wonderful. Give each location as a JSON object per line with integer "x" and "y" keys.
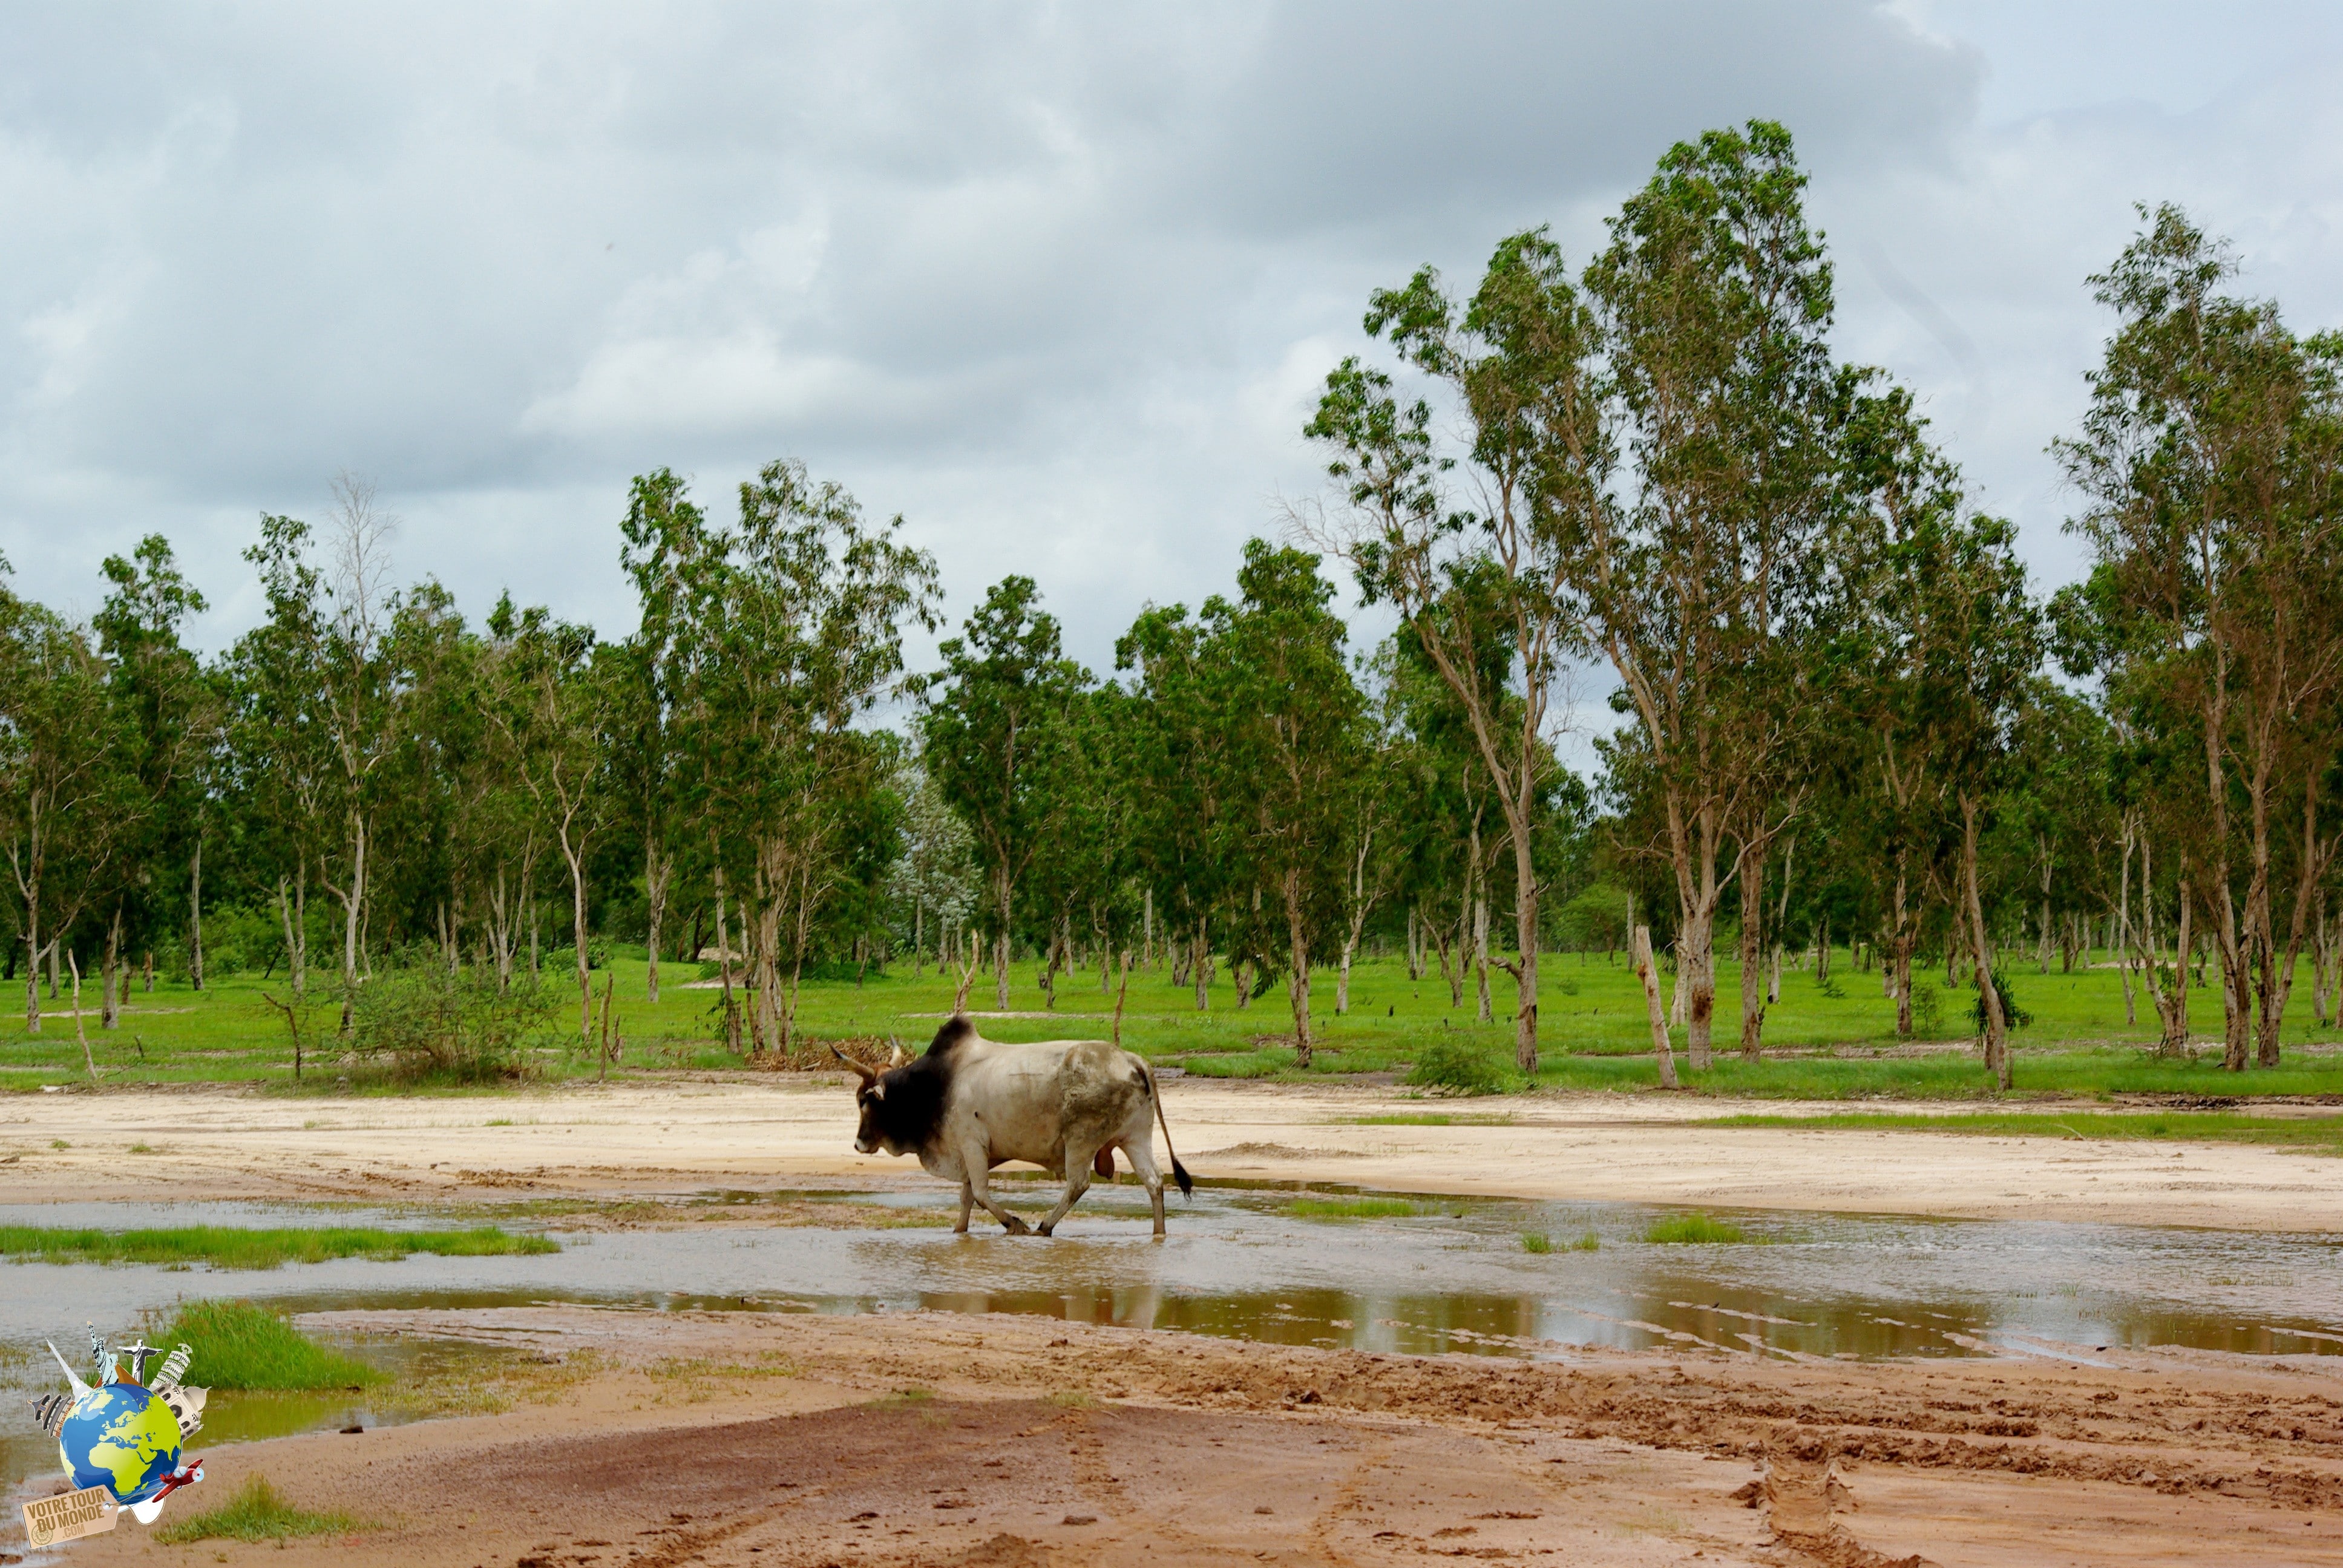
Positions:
{"x": 1454, "y": 1278}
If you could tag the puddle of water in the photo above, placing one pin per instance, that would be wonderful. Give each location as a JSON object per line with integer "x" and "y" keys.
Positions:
{"x": 1456, "y": 1278}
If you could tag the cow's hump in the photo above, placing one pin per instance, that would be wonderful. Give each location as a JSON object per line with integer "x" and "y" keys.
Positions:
{"x": 956, "y": 1029}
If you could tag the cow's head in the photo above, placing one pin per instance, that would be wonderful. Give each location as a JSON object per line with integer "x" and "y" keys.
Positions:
{"x": 870, "y": 1100}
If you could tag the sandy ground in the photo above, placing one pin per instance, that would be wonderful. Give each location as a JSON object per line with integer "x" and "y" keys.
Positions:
{"x": 654, "y": 1137}
{"x": 915, "y": 1439}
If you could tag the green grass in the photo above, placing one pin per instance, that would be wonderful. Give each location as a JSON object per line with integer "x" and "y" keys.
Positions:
{"x": 1536, "y": 1241}
{"x": 1351, "y": 1208}
{"x": 1691, "y": 1229}
{"x": 240, "y": 1345}
{"x": 256, "y": 1513}
{"x": 234, "y": 1247}
{"x": 2322, "y": 1134}
{"x": 1426, "y": 1118}
{"x": 1594, "y": 1035}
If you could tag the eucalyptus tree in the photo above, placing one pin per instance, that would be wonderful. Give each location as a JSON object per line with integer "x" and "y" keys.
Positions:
{"x": 666, "y": 551}
{"x": 279, "y": 760}
{"x": 934, "y": 878}
{"x": 1947, "y": 625}
{"x": 174, "y": 715}
{"x": 358, "y": 691}
{"x": 1714, "y": 300}
{"x": 1301, "y": 751}
{"x": 1482, "y": 548}
{"x": 1185, "y": 821}
{"x": 1003, "y": 699}
{"x": 2209, "y": 461}
{"x": 549, "y": 702}
{"x": 70, "y": 800}
{"x": 806, "y": 637}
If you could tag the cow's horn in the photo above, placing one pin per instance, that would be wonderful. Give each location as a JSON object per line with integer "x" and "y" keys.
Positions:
{"x": 895, "y": 1057}
{"x": 868, "y": 1075}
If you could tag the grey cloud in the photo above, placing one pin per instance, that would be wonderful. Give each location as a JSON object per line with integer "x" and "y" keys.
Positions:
{"x": 1054, "y": 281}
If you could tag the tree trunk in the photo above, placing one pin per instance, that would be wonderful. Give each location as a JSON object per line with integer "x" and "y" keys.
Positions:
{"x": 352, "y": 904}
{"x": 724, "y": 967}
{"x": 2277, "y": 977}
{"x": 109, "y": 1006}
{"x": 657, "y": 869}
{"x": 575, "y": 857}
{"x": 1480, "y": 956}
{"x": 1647, "y": 971}
{"x": 1298, "y": 979}
{"x": 2123, "y": 931}
{"x": 1003, "y": 890}
{"x": 1200, "y": 965}
{"x": 33, "y": 962}
{"x": 1753, "y": 934}
{"x": 196, "y": 917}
{"x": 1526, "y": 947}
{"x": 1996, "y": 1045}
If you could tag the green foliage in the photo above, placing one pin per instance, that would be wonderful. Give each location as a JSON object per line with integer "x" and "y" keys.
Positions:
{"x": 2318, "y": 1134}
{"x": 1463, "y": 1066}
{"x": 1678, "y": 1230}
{"x": 1588, "y": 1242}
{"x": 240, "y": 1345}
{"x": 1536, "y": 1241}
{"x": 2016, "y": 1016}
{"x": 256, "y": 1513}
{"x": 234, "y": 1247}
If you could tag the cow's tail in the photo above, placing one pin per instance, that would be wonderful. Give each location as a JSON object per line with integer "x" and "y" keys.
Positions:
{"x": 1179, "y": 1172}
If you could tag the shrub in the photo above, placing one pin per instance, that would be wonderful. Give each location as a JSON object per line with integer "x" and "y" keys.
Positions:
{"x": 431, "y": 1024}
{"x": 2017, "y": 1016}
{"x": 239, "y": 1344}
{"x": 1460, "y": 1066}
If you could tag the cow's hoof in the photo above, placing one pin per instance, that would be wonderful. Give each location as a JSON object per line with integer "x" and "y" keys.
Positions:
{"x": 1016, "y": 1227}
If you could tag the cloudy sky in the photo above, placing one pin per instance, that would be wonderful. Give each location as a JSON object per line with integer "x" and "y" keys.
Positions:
{"x": 1054, "y": 282}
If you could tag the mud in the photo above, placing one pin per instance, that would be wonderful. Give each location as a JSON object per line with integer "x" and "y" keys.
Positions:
{"x": 915, "y": 1439}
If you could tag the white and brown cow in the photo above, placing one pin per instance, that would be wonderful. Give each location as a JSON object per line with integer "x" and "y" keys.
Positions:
{"x": 971, "y": 1103}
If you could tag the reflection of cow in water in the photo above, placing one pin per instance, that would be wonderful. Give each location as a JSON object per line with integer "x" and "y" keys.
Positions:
{"x": 971, "y": 1103}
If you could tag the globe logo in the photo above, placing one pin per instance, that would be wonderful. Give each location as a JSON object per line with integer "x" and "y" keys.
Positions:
{"x": 120, "y": 1442}
{"x": 123, "y": 1438}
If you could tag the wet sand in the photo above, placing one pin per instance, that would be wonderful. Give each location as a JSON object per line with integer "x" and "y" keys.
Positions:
{"x": 935, "y": 1439}
{"x": 794, "y": 1130}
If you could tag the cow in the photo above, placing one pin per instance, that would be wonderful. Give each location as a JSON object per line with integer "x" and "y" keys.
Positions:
{"x": 971, "y": 1103}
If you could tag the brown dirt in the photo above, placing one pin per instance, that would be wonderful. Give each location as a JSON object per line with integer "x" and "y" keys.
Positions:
{"x": 920, "y": 1438}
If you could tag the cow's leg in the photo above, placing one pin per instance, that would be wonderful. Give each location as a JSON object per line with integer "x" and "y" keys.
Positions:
{"x": 1142, "y": 1160}
{"x": 1078, "y": 1182}
{"x": 980, "y": 1188}
{"x": 967, "y": 1201}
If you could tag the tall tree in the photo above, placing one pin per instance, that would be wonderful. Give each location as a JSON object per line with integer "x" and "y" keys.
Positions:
{"x": 808, "y": 638}
{"x": 1715, "y": 302}
{"x": 2208, "y": 462}
{"x": 174, "y": 715}
{"x": 1492, "y": 563}
{"x": 1300, "y": 753}
{"x": 1005, "y": 693}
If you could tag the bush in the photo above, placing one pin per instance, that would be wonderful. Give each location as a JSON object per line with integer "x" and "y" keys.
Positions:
{"x": 2017, "y": 1016}
{"x": 1461, "y": 1067}
{"x": 432, "y": 1024}
{"x": 239, "y": 1344}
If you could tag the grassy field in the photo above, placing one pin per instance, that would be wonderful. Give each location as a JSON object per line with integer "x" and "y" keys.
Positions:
{"x": 239, "y": 1247}
{"x": 1834, "y": 1041}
